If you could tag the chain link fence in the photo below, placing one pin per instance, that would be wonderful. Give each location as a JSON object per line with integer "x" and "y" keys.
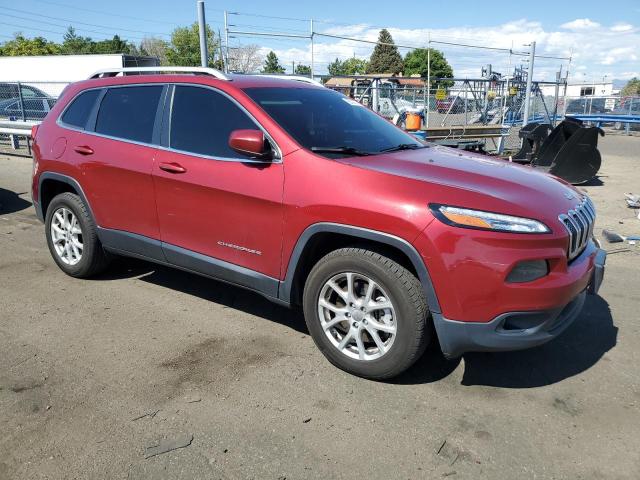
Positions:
{"x": 25, "y": 102}
{"x": 28, "y": 100}
{"x": 461, "y": 105}
{"x": 466, "y": 104}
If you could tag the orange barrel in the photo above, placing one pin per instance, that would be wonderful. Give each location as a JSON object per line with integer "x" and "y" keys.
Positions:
{"x": 412, "y": 121}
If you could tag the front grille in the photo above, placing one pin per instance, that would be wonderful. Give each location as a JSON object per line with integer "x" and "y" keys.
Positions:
{"x": 579, "y": 222}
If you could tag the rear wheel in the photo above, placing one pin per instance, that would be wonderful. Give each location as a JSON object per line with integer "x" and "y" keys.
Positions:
{"x": 366, "y": 313}
{"x": 72, "y": 237}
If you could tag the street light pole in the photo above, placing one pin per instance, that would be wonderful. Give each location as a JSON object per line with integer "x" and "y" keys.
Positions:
{"x": 202, "y": 26}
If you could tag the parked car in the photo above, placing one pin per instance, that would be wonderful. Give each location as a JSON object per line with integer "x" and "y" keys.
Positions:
{"x": 454, "y": 104}
{"x": 29, "y": 109}
{"x": 627, "y": 106}
{"x": 586, "y": 105}
{"x": 10, "y": 90}
{"x": 308, "y": 198}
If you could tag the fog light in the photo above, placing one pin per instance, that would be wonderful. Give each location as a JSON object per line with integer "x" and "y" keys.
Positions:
{"x": 528, "y": 271}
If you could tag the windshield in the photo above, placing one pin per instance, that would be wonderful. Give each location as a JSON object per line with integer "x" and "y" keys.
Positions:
{"x": 329, "y": 123}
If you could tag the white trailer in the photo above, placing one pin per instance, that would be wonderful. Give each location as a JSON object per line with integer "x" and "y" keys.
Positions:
{"x": 51, "y": 73}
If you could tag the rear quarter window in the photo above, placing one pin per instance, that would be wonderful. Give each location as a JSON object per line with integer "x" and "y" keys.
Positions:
{"x": 77, "y": 114}
{"x": 129, "y": 112}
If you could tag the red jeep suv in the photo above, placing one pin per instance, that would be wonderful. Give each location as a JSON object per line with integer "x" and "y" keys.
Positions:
{"x": 305, "y": 196}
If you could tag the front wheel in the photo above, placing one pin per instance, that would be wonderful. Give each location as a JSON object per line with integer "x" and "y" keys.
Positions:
{"x": 366, "y": 313}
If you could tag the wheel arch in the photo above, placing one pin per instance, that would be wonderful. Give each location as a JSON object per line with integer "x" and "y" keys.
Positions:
{"x": 319, "y": 239}
{"x": 51, "y": 184}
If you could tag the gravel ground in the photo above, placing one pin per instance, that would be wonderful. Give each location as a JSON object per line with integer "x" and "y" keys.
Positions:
{"x": 95, "y": 373}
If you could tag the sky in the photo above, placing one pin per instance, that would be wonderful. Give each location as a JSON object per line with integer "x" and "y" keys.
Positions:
{"x": 603, "y": 42}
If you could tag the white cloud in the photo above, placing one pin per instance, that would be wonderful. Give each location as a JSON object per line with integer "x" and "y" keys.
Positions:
{"x": 622, "y": 27}
{"x": 580, "y": 24}
{"x": 591, "y": 45}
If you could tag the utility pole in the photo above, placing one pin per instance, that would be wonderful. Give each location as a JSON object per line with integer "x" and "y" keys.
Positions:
{"x": 527, "y": 97}
{"x": 202, "y": 26}
{"x": 226, "y": 42}
{"x": 222, "y": 59}
{"x": 311, "y": 36}
{"x": 293, "y": 67}
{"x": 428, "y": 87}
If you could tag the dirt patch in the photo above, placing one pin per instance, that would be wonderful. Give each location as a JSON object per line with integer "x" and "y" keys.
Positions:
{"x": 219, "y": 360}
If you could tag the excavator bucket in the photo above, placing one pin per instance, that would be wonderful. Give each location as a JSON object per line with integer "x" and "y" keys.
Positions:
{"x": 532, "y": 135}
{"x": 569, "y": 152}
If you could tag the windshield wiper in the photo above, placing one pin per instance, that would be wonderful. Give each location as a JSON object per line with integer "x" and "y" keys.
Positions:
{"x": 403, "y": 146}
{"x": 345, "y": 150}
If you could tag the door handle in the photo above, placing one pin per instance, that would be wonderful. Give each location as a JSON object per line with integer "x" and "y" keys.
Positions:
{"x": 172, "y": 167}
{"x": 84, "y": 150}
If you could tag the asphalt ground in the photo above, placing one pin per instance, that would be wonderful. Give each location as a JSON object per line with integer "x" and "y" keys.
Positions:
{"x": 96, "y": 375}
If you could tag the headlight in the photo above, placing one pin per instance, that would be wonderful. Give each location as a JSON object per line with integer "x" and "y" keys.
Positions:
{"x": 466, "y": 218}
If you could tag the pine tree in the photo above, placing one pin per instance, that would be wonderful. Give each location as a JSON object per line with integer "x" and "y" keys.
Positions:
{"x": 385, "y": 57}
{"x": 271, "y": 64}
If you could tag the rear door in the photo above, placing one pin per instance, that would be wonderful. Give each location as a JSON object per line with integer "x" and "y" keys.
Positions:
{"x": 213, "y": 201}
{"x": 117, "y": 161}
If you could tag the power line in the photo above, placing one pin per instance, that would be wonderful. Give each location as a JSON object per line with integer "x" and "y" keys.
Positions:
{"x": 74, "y": 7}
{"x": 84, "y": 23}
{"x": 267, "y": 28}
{"x": 293, "y": 19}
{"x": 63, "y": 26}
{"x": 31, "y": 28}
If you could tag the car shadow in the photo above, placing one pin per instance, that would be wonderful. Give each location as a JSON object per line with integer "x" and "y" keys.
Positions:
{"x": 10, "y": 202}
{"x": 207, "y": 289}
{"x": 579, "y": 348}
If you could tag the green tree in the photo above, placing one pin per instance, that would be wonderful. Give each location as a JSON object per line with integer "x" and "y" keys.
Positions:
{"x": 184, "y": 49}
{"x": 303, "y": 69}
{"x": 385, "y": 57}
{"x": 631, "y": 88}
{"x": 21, "y": 45}
{"x": 350, "y": 66}
{"x": 72, "y": 43}
{"x": 355, "y": 66}
{"x": 115, "y": 45}
{"x": 271, "y": 64}
{"x": 416, "y": 62}
{"x": 154, "y": 47}
{"x": 336, "y": 68}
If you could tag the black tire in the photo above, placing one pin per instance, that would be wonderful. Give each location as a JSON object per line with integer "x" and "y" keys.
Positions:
{"x": 94, "y": 259}
{"x": 404, "y": 291}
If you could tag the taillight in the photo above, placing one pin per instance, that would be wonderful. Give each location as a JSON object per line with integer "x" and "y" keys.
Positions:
{"x": 34, "y": 130}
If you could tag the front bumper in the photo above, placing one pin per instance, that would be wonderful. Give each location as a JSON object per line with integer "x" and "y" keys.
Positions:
{"x": 515, "y": 330}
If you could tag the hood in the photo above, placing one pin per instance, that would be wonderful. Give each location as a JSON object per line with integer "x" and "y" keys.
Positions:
{"x": 463, "y": 179}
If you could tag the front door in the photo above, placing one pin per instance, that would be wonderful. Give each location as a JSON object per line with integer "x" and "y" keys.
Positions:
{"x": 219, "y": 212}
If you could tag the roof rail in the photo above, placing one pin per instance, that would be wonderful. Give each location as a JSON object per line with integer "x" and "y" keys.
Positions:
{"x": 297, "y": 78}
{"x": 112, "y": 72}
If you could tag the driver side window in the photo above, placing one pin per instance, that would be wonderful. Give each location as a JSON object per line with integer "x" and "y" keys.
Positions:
{"x": 202, "y": 120}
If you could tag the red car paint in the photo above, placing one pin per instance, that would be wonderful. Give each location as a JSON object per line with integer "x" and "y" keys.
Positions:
{"x": 211, "y": 205}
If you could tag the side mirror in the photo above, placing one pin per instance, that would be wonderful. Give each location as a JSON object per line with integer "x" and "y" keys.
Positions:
{"x": 251, "y": 143}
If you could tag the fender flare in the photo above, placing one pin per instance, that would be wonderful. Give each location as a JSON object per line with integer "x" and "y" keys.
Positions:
{"x": 59, "y": 177}
{"x": 286, "y": 286}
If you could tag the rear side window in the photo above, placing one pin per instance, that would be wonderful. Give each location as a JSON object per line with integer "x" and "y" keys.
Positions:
{"x": 129, "y": 112}
{"x": 201, "y": 121}
{"x": 78, "y": 112}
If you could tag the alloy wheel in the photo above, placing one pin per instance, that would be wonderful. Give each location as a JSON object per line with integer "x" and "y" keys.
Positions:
{"x": 66, "y": 236}
{"x": 357, "y": 316}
